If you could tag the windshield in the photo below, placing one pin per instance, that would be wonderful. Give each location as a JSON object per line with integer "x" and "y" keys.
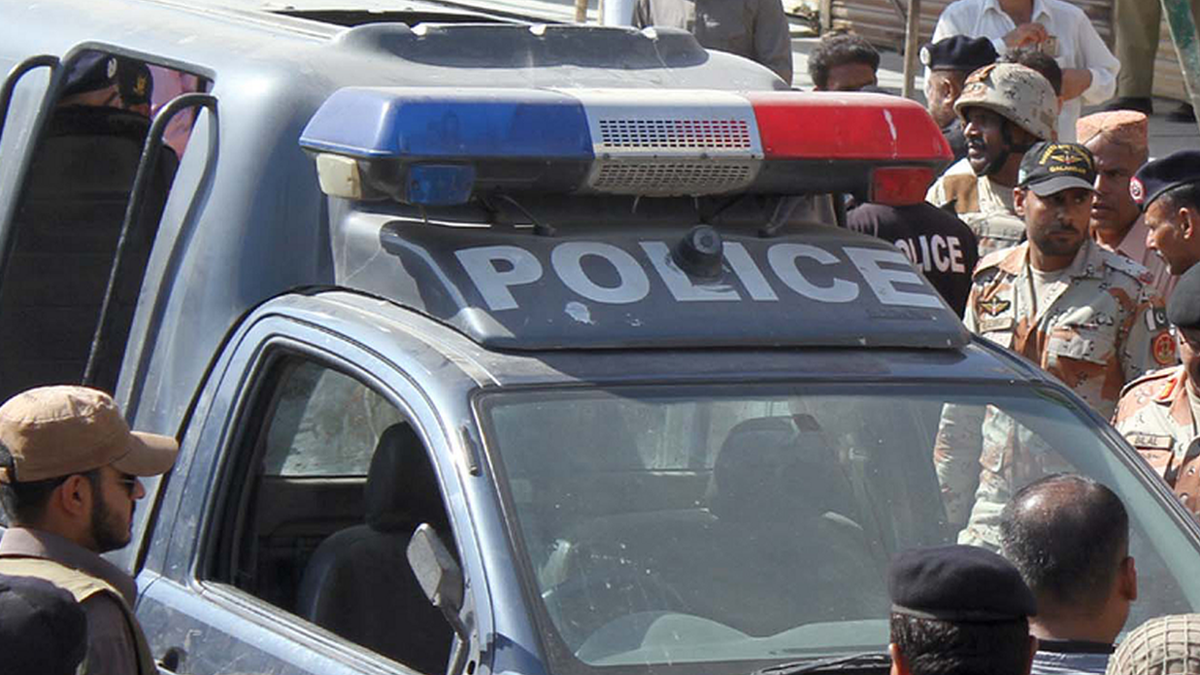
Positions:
{"x": 731, "y": 524}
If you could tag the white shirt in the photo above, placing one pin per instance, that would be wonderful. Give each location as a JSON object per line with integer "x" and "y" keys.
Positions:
{"x": 1079, "y": 46}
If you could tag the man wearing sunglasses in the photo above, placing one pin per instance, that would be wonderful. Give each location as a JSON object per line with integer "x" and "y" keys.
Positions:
{"x": 1159, "y": 412}
{"x": 69, "y": 468}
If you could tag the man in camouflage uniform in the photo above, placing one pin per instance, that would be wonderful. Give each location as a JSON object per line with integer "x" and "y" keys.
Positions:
{"x": 1158, "y": 413}
{"x": 1006, "y": 107}
{"x": 1085, "y": 315}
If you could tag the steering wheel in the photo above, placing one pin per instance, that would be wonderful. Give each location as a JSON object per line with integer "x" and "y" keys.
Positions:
{"x": 601, "y": 587}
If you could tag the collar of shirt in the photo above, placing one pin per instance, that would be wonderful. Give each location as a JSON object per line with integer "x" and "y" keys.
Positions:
{"x": 28, "y": 543}
{"x": 1088, "y": 261}
{"x": 1133, "y": 246}
{"x": 1075, "y": 647}
{"x": 1039, "y": 14}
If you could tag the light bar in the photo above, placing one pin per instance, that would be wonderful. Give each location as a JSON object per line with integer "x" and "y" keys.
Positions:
{"x": 438, "y": 146}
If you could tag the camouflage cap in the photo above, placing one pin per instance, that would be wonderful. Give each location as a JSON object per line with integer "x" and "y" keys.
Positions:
{"x": 1018, "y": 93}
{"x": 1167, "y": 645}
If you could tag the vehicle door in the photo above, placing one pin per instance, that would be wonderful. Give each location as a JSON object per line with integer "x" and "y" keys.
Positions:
{"x": 279, "y": 544}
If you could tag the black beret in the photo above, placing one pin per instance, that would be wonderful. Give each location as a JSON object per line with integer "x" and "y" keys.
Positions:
{"x": 89, "y": 72}
{"x": 1155, "y": 178}
{"x": 42, "y": 629}
{"x": 1183, "y": 307}
{"x": 958, "y": 583}
{"x": 135, "y": 82}
{"x": 959, "y": 53}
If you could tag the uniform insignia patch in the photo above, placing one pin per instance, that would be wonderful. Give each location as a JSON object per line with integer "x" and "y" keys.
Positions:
{"x": 1157, "y": 319}
{"x": 1164, "y": 349}
{"x": 986, "y": 325}
{"x": 1139, "y": 440}
{"x": 994, "y": 306}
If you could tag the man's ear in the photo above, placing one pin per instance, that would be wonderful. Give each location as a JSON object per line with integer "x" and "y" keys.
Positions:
{"x": 899, "y": 663}
{"x": 1127, "y": 579}
{"x": 1019, "y": 201}
{"x": 1189, "y": 222}
{"x": 74, "y": 496}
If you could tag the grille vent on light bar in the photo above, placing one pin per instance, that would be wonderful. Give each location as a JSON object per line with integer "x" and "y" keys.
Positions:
{"x": 674, "y": 133}
{"x": 651, "y": 177}
{"x": 660, "y": 143}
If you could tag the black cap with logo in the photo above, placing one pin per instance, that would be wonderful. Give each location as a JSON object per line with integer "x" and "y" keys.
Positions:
{"x": 134, "y": 82}
{"x": 1155, "y": 178}
{"x": 1050, "y": 167}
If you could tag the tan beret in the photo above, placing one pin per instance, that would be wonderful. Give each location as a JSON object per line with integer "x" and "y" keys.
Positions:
{"x": 1122, "y": 126}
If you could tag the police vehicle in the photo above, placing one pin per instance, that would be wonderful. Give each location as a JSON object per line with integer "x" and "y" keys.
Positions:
{"x": 498, "y": 347}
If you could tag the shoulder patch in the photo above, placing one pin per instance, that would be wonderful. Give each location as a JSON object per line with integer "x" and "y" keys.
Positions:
{"x": 1128, "y": 267}
{"x": 992, "y": 259}
{"x": 1151, "y": 380}
{"x": 1163, "y": 349}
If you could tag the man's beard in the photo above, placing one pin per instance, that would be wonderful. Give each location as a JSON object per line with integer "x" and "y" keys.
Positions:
{"x": 993, "y": 164}
{"x": 108, "y": 533}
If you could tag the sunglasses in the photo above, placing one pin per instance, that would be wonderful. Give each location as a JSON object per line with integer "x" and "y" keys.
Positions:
{"x": 128, "y": 482}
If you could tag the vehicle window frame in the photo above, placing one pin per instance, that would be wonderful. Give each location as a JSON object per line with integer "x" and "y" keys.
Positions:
{"x": 560, "y": 655}
{"x": 240, "y": 422}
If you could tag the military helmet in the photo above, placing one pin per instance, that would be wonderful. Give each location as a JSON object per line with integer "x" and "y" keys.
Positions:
{"x": 1017, "y": 93}
{"x": 1166, "y": 644}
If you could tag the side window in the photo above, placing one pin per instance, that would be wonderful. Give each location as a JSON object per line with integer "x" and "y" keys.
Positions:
{"x": 329, "y": 482}
{"x": 71, "y": 213}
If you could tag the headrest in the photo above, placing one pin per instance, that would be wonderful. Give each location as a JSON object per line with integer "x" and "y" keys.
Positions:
{"x": 402, "y": 488}
{"x": 776, "y": 468}
{"x": 747, "y": 477}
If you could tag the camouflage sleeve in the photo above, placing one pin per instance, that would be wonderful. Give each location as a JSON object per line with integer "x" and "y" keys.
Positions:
{"x": 959, "y": 443}
{"x": 937, "y": 193}
{"x": 1148, "y": 345}
{"x": 956, "y": 453}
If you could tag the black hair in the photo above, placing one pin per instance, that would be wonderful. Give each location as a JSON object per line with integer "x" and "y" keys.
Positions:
{"x": 936, "y": 647}
{"x": 1181, "y": 196}
{"x": 838, "y": 49}
{"x": 1040, "y": 61}
{"x": 1067, "y": 534}
{"x": 24, "y": 502}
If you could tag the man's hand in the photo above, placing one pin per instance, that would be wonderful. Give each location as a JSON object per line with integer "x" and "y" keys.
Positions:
{"x": 1025, "y": 35}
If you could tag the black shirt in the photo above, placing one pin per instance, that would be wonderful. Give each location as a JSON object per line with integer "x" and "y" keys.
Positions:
{"x": 937, "y": 243}
{"x": 956, "y": 138}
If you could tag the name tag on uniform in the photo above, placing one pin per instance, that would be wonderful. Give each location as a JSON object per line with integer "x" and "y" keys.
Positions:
{"x": 1151, "y": 441}
{"x": 986, "y": 325}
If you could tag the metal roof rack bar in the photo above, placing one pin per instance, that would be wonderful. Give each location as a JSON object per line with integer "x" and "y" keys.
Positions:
{"x": 137, "y": 198}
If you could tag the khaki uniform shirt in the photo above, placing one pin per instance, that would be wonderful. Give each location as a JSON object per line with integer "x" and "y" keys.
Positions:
{"x": 1100, "y": 327}
{"x": 986, "y": 207}
{"x": 1133, "y": 246}
{"x": 1155, "y": 416}
{"x": 112, "y": 644}
{"x": 755, "y": 29}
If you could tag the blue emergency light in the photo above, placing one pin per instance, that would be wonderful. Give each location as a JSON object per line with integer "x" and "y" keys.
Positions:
{"x": 441, "y": 124}
{"x": 437, "y": 146}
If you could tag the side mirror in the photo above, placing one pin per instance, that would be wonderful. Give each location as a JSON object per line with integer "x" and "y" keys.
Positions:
{"x": 439, "y": 575}
{"x": 442, "y": 581}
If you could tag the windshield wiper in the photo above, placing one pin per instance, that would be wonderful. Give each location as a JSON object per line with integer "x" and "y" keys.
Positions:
{"x": 861, "y": 661}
